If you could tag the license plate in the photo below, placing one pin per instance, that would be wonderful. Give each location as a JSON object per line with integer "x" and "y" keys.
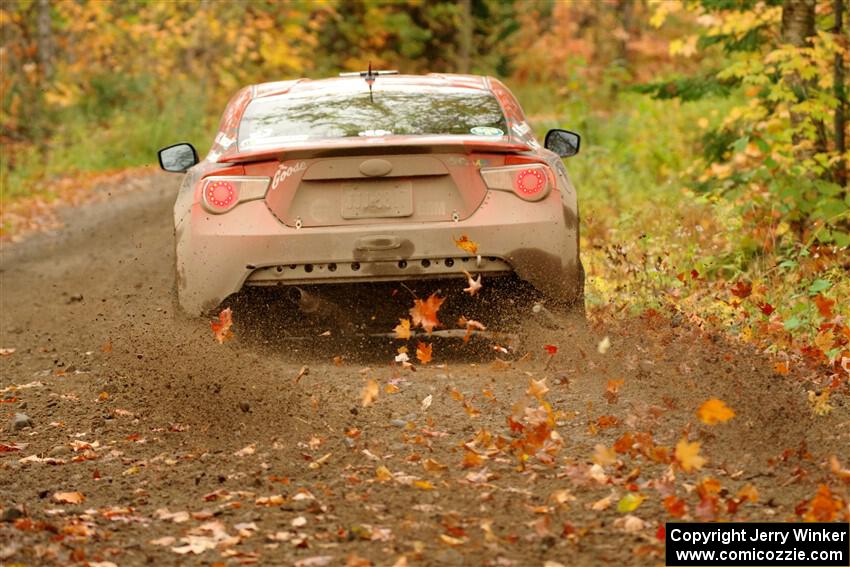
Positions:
{"x": 378, "y": 199}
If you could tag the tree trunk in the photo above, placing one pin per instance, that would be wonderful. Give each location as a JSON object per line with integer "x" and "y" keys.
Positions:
{"x": 625, "y": 17}
{"x": 798, "y": 27}
{"x": 840, "y": 94}
{"x": 465, "y": 39}
{"x": 44, "y": 39}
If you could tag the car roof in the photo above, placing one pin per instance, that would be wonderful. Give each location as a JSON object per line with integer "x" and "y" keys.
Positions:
{"x": 398, "y": 82}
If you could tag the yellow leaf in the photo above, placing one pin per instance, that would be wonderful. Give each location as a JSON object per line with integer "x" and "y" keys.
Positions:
{"x": 391, "y": 388}
{"x": 714, "y": 411}
{"x": 423, "y": 485}
{"x": 370, "y": 392}
{"x": 402, "y": 330}
{"x": 629, "y": 502}
{"x": 431, "y": 465}
{"x": 383, "y": 474}
{"x": 687, "y": 455}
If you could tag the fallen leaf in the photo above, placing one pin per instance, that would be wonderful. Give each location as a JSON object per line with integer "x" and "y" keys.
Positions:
{"x": 604, "y": 456}
{"x": 221, "y": 328}
{"x": 453, "y": 541}
{"x": 370, "y": 392}
{"x": 304, "y": 372}
{"x": 315, "y": 561}
{"x": 824, "y": 305}
{"x": 714, "y": 411}
{"x": 748, "y": 492}
{"x": 245, "y": 451}
{"x": 603, "y": 345}
{"x": 424, "y": 352}
{"x": 424, "y": 313}
{"x": 838, "y": 470}
{"x": 820, "y": 402}
{"x": 402, "y": 330}
{"x": 823, "y": 507}
{"x": 7, "y": 351}
{"x": 431, "y": 465}
{"x": 537, "y": 388}
{"x": 687, "y": 455}
{"x": 383, "y": 474}
{"x": 298, "y": 522}
{"x": 629, "y": 524}
{"x": 629, "y": 502}
{"x": 426, "y": 403}
{"x": 742, "y": 289}
{"x": 474, "y": 285}
{"x": 423, "y": 485}
{"x": 391, "y": 389}
{"x": 602, "y": 504}
{"x": 551, "y": 349}
{"x": 467, "y": 245}
{"x": 676, "y": 507}
{"x": 69, "y": 497}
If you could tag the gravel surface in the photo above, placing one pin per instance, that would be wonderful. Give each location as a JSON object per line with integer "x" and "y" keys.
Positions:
{"x": 131, "y": 437}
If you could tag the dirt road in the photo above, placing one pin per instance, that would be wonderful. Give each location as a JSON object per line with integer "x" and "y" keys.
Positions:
{"x": 184, "y": 451}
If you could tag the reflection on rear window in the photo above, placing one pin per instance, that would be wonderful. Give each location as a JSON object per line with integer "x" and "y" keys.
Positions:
{"x": 311, "y": 116}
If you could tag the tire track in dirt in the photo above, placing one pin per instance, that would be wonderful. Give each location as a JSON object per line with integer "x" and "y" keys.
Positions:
{"x": 174, "y": 420}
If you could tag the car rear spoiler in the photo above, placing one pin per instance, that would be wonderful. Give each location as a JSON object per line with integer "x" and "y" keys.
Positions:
{"x": 402, "y": 144}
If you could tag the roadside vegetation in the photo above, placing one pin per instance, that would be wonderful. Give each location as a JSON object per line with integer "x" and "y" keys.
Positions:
{"x": 713, "y": 175}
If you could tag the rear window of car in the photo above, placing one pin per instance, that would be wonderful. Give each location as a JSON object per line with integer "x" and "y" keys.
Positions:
{"x": 297, "y": 117}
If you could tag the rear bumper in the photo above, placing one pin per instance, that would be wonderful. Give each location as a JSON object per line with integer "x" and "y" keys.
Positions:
{"x": 219, "y": 254}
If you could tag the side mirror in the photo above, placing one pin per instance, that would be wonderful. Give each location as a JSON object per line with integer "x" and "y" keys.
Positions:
{"x": 178, "y": 158}
{"x": 562, "y": 142}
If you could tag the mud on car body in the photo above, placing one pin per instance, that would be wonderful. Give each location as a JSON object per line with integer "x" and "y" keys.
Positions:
{"x": 346, "y": 180}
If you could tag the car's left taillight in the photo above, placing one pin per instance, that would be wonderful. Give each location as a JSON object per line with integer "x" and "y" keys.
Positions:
{"x": 530, "y": 182}
{"x": 220, "y": 194}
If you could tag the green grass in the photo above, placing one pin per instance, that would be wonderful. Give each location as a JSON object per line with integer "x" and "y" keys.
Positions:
{"x": 85, "y": 141}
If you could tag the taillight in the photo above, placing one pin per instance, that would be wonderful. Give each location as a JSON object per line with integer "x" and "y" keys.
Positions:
{"x": 529, "y": 182}
{"x": 220, "y": 194}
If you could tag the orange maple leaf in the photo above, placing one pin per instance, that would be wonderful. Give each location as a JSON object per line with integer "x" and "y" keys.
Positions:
{"x": 467, "y": 245}
{"x": 424, "y": 313}
{"x": 221, "y": 328}
{"x": 714, "y": 411}
{"x": 687, "y": 455}
{"x": 423, "y": 352}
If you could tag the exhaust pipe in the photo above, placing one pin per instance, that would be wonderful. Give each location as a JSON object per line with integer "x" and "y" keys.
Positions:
{"x": 307, "y": 302}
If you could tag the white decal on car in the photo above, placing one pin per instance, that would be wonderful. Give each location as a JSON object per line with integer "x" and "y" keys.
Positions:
{"x": 284, "y": 171}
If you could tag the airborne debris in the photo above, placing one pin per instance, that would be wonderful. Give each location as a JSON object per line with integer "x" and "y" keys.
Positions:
{"x": 474, "y": 284}
{"x": 221, "y": 328}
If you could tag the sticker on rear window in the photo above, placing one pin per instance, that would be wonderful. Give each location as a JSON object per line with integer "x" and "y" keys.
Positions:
{"x": 486, "y": 131}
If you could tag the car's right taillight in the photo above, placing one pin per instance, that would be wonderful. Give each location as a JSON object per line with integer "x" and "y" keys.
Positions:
{"x": 529, "y": 182}
{"x": 220, "y": 194}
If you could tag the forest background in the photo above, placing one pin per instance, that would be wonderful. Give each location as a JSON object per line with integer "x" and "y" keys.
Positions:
{"x": 713, "y": 173}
